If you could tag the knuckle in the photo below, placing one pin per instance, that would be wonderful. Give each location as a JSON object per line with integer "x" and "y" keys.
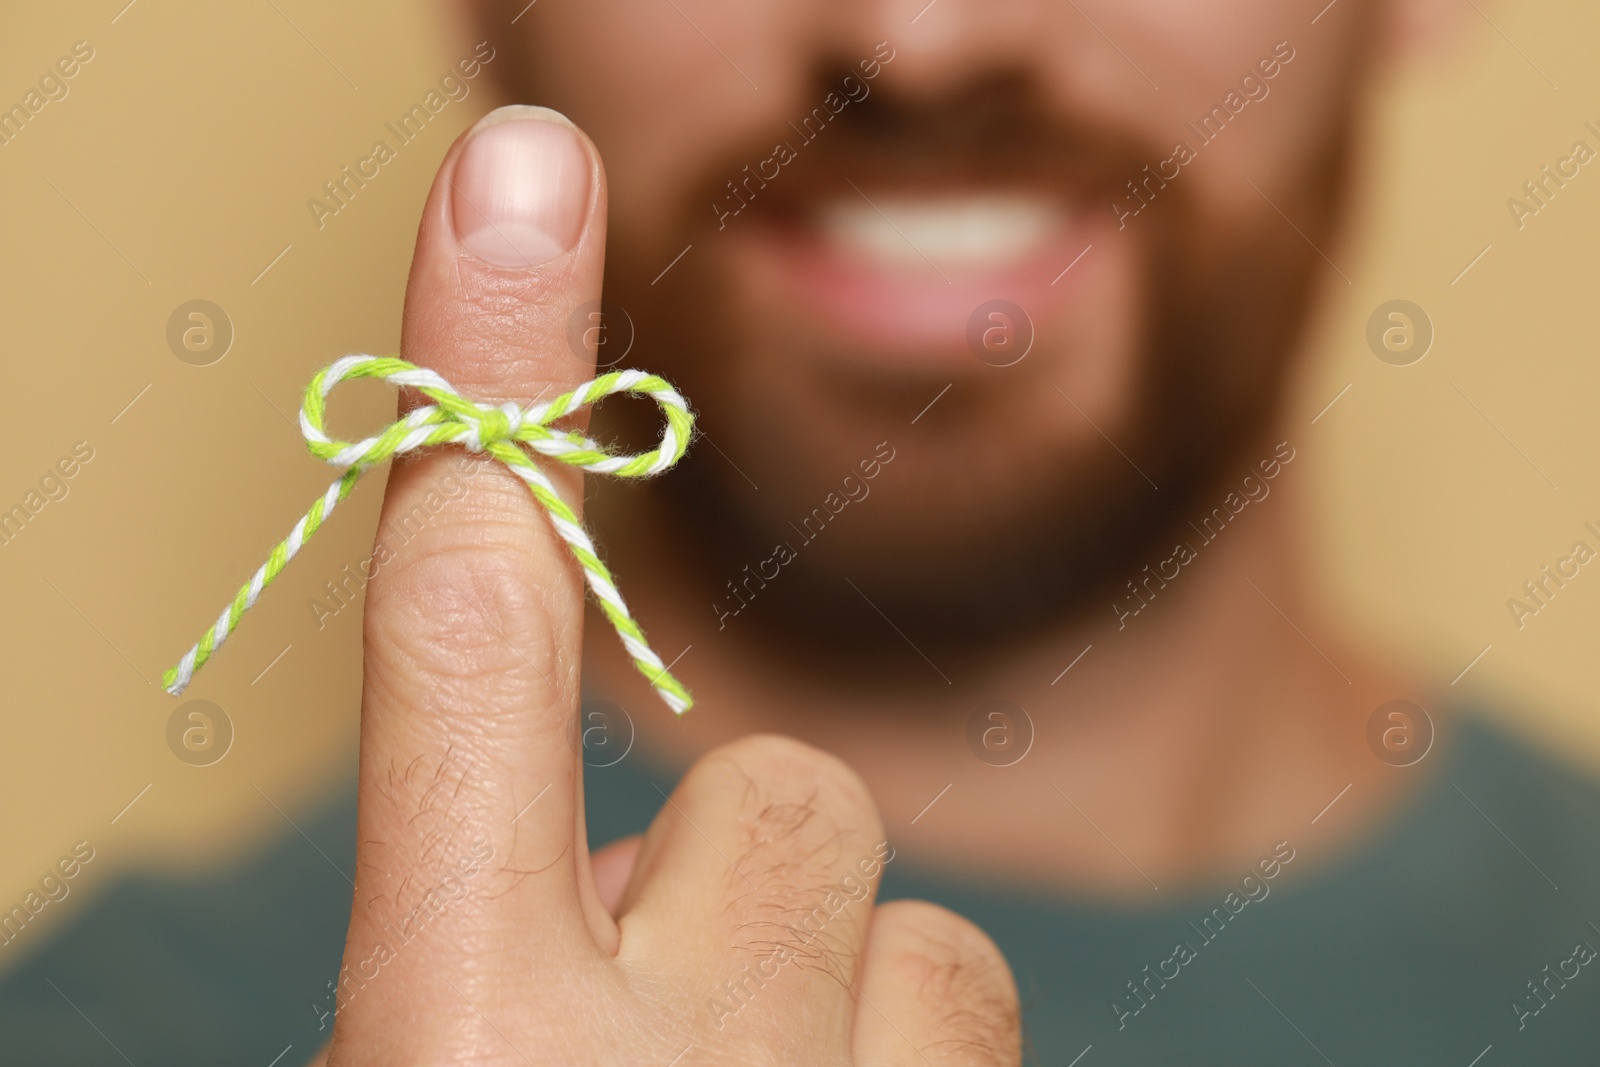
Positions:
{"x": 799, "y": 827}
{"x": 437, "y": 842}
{"x": 790, "y": 772}
{"x": 959, "y": 976}
{"x": 925, "y": 935}
{"x": 466, "y": 617}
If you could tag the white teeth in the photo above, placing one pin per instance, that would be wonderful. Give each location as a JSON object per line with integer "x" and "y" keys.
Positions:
{"x": 958, "y": 232}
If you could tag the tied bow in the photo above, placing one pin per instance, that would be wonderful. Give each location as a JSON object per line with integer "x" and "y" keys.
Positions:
{"x": 502, "y": 431}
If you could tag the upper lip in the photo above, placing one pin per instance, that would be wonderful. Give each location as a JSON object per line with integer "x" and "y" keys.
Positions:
{"x": 909, "y": 169}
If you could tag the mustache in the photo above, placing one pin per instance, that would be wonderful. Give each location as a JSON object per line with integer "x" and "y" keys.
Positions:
{"x": 993, "y": 128}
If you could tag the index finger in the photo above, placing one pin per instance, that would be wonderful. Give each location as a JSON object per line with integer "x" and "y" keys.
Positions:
{"x": 469, "y": 777}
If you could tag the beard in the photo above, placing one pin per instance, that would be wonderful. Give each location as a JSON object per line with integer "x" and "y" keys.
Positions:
{"x": 981, "y": 531}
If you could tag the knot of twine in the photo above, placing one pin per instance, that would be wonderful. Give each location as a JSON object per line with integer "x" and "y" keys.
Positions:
{"x": 500, "y": 431}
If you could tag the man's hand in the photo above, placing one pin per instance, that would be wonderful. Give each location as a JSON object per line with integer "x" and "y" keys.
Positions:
{"x": 742, "y": 929}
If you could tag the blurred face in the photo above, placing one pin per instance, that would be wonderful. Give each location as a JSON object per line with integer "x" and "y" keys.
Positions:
{"x": 858, "y": 182}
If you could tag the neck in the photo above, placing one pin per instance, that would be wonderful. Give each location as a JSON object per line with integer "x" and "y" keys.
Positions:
{"x": 1175, "y": 748}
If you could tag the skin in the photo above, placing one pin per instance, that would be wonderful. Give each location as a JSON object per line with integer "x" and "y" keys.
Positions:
{"x": 1194, "y": 737}
{"x": 473, "y": 639}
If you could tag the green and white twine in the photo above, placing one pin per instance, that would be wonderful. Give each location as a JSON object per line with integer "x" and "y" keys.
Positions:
{"x": 497, "y": 430}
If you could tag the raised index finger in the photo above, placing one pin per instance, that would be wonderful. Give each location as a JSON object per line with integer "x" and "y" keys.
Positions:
{"x": 469, "y": 776}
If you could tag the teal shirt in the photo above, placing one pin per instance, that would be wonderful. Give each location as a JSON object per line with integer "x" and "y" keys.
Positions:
{"x": 1466, "y": 927}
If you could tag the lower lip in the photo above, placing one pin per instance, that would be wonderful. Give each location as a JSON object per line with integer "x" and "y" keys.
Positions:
{"x": 919, "y": 312}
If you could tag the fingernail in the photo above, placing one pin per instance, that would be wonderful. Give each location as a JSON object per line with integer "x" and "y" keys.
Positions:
{"x": 521, "y": 187}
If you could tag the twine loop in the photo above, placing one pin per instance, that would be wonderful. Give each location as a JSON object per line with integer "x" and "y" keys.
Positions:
{"x": 507, "y": 432}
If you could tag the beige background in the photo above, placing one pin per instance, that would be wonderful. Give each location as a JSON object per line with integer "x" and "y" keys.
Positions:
{"x": 179, "y": 167}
